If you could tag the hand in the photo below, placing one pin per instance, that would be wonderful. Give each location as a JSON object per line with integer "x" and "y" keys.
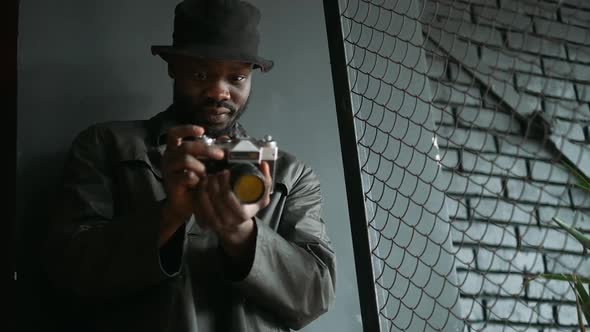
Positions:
{"x": 182, "y": 171}
{"x": 219, "y": 209}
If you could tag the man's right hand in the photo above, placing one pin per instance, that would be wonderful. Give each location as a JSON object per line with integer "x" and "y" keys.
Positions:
{"x": 182, "y": 171}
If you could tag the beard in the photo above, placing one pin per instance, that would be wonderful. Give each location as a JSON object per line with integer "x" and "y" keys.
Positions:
{"x": 191, "y": 112}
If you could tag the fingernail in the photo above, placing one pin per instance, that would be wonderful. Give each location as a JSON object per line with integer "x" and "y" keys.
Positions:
{"x": 217, "y": 152}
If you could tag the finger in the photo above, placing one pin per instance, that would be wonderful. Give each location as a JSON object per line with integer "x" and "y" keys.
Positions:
{"x": 265, "y": 169}
{"x": 176, "y": 134}
{"x": 229, "y": 217}
{"x": 183, "y": 179}
{"x": 200, "y": 216}
{"x": 213, "y": 189}
{"x": 205, "y": 209}
{"x": 179, "y": 137}
{"x": 228, "y": 200}
{"x": 194, "y": 146}
{"x": 202, "y": 150}
{"x": 200, "y": 199}
{"x": 177, "y": 162}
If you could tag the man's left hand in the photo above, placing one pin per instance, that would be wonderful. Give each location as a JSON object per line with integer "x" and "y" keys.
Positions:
{"x": 219, "y": 209}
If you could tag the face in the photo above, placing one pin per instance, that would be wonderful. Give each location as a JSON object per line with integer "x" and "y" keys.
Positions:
{"x": 210, "y": 93}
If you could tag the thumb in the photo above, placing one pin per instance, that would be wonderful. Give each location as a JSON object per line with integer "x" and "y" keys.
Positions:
{"x": 265, "y": 169}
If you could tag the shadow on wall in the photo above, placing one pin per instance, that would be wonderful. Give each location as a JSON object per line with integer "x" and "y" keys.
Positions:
{"x": 57, "y": 100}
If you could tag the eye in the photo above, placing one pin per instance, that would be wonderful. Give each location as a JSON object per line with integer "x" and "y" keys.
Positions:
{"x": 239, "y": 78}
{"x": 199, "y": 76}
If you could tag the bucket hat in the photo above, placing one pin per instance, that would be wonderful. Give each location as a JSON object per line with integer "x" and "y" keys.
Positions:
{"x": 217, "y": 30}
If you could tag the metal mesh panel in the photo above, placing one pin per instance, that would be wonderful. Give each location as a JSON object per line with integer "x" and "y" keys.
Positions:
{"x": 471, "y": 131}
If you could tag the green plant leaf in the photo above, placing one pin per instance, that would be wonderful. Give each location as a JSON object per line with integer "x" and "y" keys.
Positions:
{"x": 559, "y": 276}
{"x": 586, "y": 310}
{"x": 580, "y": 311}
{"x": 583, "y": 182}
{"x": 584, "y": 239}
{"x": 579, "y": 305}
{"x": 581, "y": 290}
{"x": 584, "y": 299}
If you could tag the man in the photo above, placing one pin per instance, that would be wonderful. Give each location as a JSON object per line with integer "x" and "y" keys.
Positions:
{"x": 148, "y": 239}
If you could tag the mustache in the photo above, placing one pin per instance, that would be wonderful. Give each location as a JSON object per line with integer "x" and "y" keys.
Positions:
{"x": 218, "y": 104}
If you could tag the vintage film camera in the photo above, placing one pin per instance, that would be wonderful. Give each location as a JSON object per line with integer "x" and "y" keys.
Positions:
{"x": 243, "y": 155}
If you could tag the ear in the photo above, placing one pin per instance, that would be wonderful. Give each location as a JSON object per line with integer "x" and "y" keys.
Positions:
{"x": 170, "y": 70}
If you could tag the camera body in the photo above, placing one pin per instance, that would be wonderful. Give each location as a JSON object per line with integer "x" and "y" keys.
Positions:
{"x": 242, "y": 156}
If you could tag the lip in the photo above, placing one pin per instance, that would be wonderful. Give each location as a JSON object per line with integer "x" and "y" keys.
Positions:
{"x": 217, "y": 117}
{"x": 217, "y": 111}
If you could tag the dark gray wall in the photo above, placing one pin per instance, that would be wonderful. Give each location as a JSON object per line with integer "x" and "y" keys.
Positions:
{"x": 505, "y": 182}
{"x": 85, "y": 61}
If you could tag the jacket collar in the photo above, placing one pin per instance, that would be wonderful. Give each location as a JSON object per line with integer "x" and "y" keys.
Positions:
{"x": 160, "y": 124}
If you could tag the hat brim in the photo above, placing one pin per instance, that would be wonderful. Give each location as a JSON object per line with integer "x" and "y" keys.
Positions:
{"x": 212, "y": 53}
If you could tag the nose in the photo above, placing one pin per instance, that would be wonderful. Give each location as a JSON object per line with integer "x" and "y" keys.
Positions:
{"x": 218, "y": 90}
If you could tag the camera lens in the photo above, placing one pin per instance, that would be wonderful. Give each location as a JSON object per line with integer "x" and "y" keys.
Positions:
{"x": 247, "y": 182}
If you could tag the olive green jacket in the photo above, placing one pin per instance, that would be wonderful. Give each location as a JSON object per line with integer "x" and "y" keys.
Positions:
{"x": 103, "y": 247}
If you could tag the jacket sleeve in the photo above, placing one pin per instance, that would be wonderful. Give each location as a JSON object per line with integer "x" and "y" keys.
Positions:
{"x": 293, "y": 271}
{"x": 91, "y": 251}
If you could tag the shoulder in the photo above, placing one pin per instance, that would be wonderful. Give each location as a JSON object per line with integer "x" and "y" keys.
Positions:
{"x": 118, "y": 137}
{"x": 117, "y": 129}
{"x": 293, "y": 172}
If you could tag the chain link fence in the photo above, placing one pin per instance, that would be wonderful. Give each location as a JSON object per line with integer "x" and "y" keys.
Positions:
{"x": 465, "y": 131}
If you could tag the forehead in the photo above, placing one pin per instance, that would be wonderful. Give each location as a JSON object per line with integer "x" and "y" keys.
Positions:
{"x": 189, "y": 63}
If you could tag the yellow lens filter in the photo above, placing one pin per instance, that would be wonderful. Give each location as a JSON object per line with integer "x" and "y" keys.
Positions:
{"x": 249, "y": 188}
